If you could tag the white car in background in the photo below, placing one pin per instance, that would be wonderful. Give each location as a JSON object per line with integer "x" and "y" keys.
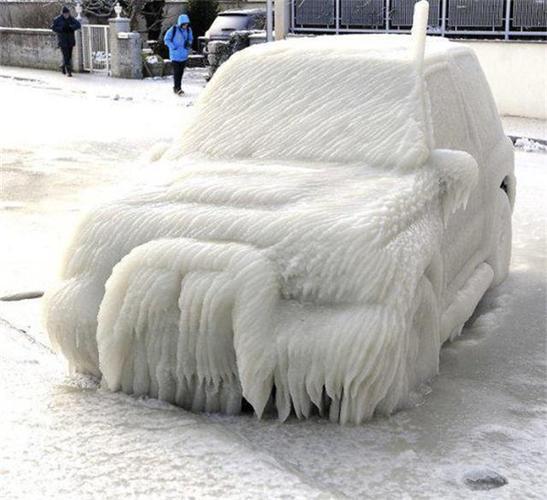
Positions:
{"x": 320, "y": 237}
{"x": 229, "y": 21}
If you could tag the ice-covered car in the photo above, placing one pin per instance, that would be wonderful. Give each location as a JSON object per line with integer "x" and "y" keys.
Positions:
{"x": 335, "y": 212}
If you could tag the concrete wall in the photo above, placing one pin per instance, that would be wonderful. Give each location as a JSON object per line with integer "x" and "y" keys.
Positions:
{"x": 517, "y": 73}
{"x": 31, "y": 14}
{"x": 31, "y": 48}
{"x": 37, "y": 13}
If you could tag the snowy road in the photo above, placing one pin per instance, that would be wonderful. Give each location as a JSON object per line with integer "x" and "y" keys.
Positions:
{"x": 64, "y": 148}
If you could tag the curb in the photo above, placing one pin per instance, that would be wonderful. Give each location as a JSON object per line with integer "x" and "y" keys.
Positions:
{"x": 515, "y": 138}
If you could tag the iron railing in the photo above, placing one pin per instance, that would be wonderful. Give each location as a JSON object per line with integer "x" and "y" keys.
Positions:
{"x": 468, "y": 18}
{"x": 314, "y": 13}
{"x": 530, "y": 14}
{"x": 401, "y": 12}
{"x": 470, "y": 14}
{"x": 362, "y": 13}
{"x": 96, "y": 48}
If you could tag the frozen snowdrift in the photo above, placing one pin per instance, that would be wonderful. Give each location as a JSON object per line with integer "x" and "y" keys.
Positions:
{"x": 297, "y": 265}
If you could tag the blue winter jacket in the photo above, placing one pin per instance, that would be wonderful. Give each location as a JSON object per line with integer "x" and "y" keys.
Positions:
{"x": 179, "y": 40}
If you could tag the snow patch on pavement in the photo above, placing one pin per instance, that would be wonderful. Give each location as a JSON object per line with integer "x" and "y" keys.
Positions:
{"x": 530, "y": 146}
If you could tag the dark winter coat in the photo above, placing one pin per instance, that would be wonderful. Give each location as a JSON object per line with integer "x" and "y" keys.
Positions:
{"x": 65, "y": 29}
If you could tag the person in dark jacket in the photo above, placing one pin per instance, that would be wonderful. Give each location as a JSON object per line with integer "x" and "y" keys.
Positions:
{"x": 179, "y": 40}
{"x": 65, "y": 26}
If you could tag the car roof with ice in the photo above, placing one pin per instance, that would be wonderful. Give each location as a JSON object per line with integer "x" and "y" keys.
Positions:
{"x": 367, "y": 46}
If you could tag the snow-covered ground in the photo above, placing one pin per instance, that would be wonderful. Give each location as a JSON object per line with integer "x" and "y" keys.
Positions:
{"x": 525, "y": 127}
{"x": 68, "y": 144}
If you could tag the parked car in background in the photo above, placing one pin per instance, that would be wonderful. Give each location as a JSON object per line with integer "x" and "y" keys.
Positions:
{"x": 229, "y": 21}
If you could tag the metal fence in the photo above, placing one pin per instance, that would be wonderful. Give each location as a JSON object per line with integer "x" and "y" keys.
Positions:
{"x": 499, "y": 18}
{"x": 475, "y": 14}
{"x": 402, "y": 11}
{"x": 529, "y": 14}
{"x": 96, "y": 48}
{"x": 359, "y": 13}
{"x": 314, "y": 13}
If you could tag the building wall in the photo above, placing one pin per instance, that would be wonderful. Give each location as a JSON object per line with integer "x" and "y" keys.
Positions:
{"x": 517, "y": 73}
{"x": 31, "y": 48}
{"x": 30, "y": 14}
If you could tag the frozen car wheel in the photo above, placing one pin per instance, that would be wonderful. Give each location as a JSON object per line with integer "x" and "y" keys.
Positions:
{"x": 426, "y": 330}
{"x": 501, "y": 252}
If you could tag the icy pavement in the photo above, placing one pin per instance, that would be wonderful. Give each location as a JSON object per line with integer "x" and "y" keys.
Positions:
{"x": 89, "y": 85}
{"x": 485, "y": 414}
{"x": 66, "y": 143}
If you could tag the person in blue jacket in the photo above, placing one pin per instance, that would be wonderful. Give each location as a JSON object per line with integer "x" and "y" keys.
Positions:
{"x": 65, "y": 26}
{"x": 179, "y": 40}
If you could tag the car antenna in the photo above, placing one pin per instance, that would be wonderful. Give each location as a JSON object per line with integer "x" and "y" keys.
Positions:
{"x": 417, "y": 55}
{"x": 419, "y": 31}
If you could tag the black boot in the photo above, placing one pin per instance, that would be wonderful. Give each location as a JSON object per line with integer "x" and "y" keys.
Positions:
{"x": 63, "y": 69}
{"x": 69, "y": 71}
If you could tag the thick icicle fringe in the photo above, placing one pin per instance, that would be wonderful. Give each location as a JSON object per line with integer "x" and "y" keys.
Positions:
{"x": 191, "y": 316}
{"x": 459, "y": 175}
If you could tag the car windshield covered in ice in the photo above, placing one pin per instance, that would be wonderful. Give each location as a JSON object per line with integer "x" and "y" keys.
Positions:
{"x": 315, "y": 99}
{"x": 335, "y": 211}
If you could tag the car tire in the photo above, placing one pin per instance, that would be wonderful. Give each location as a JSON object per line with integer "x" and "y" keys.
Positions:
{"x": 426, "y": 325}
{"x": 502, "y": 238}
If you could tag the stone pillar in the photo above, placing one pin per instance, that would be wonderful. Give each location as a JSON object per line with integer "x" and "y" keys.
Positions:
{"x": 117, "y": 25}
{"x": 282, "y": 18}
{"x": 125, "y": 50}
{"x": 77, "y": 55}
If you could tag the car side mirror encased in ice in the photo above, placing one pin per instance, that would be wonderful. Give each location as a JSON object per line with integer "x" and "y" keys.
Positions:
{"x": 458, "y": 175}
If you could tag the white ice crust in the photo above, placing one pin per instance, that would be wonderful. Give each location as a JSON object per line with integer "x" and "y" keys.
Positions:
{"x": 288, "y": 258}
{"x": 314, "y": 99}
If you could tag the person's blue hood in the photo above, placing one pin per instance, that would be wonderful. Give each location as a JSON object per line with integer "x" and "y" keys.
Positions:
{"x": 183, "y": 19}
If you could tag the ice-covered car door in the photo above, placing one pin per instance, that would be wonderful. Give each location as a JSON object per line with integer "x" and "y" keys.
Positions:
{"x": 495, "y": 154}
{"x": 465, "y": 118}
{"x": 452, "y": 130}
